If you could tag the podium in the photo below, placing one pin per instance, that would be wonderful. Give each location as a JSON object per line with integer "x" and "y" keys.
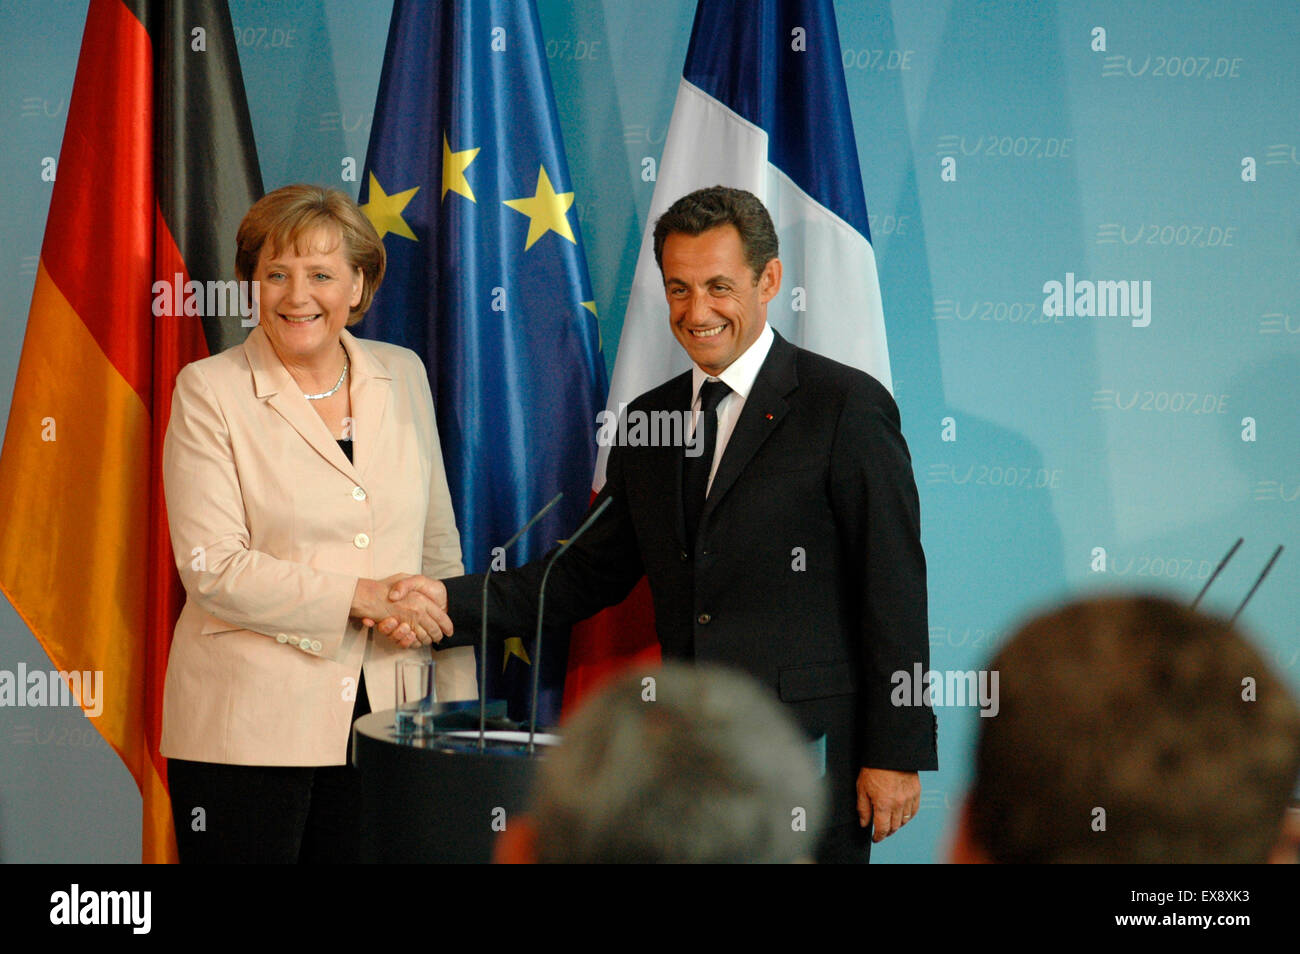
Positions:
{"x": 439, "y": 799}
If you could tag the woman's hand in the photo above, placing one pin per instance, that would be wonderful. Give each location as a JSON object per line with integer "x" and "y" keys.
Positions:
{"x": 412, "y": 618}
{"x": 414, "y": 613}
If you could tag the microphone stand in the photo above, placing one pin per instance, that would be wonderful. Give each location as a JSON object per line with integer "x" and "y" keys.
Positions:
{"x": 541, "y": 601}
{"x": 483, "y": 635}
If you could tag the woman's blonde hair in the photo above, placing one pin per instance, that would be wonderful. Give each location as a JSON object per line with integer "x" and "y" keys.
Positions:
{"x": 281, "y": 218}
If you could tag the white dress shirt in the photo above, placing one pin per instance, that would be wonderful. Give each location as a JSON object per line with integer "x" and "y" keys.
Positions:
{"x": 739, "y": 376}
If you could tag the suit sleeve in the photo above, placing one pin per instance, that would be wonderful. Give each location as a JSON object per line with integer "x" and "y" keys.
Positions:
{"x": 599, "y": 570}
{"x": 210, "y": 538}
{"x": 878, "y": 510}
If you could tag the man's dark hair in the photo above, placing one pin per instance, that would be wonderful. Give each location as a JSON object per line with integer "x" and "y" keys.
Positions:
{"x": 1165, "y": 718}
{"x": 709, "y": 208}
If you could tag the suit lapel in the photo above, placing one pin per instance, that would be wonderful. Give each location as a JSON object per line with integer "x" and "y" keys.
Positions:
{"x": 762, "y": 412}
{"x": 371, "y": 382}
{"x": 368, "y": 393}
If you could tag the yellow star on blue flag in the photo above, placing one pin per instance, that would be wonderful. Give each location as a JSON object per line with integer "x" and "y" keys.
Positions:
{"x": 385, "y": 211}
{"x": 454, "y": 165}
{"x": 547, "y": 211}
{"x": 514, "y": 646}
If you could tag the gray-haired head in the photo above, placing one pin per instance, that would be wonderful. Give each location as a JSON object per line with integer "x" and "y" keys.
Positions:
{"x": 700, "y": 765}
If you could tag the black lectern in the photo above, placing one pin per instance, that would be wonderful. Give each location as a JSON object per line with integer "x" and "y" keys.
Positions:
{"x": 438, "y": 799}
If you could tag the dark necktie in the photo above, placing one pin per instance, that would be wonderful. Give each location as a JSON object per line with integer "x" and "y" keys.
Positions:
{"x": 695, "y": 470}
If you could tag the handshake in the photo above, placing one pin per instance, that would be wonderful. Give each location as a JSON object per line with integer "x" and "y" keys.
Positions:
{"x": 410, "y": 610}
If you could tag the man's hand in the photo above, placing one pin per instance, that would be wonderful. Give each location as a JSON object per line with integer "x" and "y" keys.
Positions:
{"x": 416, "y": 621}
{"x": 891, "y": 798}
{"x": 419, "y": 594}
{"x": 423, "y": 618}
{"x": 430, "y": 588}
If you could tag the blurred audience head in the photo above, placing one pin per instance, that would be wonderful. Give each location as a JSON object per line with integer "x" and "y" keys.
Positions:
{"x": 681, "y": 764}
{"x": 1132, "y": 729}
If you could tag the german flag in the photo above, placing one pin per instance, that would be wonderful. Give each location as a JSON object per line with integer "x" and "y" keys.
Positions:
{"x": 157, "y": 168}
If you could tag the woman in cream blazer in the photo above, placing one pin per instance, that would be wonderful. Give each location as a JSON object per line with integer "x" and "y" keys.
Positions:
{"x": 276, "y": 533}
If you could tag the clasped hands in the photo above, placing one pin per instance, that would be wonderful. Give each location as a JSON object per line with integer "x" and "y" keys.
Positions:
{"x": 410, "y": 610}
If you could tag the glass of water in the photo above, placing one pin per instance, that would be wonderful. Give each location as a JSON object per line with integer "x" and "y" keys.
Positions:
{"x": 415, "y": 698}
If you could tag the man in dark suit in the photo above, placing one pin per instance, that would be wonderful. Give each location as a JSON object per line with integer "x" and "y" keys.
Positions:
{"x": 783, "y": 541}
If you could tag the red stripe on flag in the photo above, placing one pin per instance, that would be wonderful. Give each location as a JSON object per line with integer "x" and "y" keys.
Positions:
{"x": 99, "y": 236}
{"x": 611, "y": 641}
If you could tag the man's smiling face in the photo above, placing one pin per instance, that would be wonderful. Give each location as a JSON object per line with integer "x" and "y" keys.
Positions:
{"x": 715, "y": 306}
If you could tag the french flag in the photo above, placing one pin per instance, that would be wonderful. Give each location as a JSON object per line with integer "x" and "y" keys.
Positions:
{"x": 762, "y": 106}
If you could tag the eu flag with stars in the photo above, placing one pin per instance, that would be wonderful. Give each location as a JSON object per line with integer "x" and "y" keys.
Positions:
{"x": 467, "y": 185}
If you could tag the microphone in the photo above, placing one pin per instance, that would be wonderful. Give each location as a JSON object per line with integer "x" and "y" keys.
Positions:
{"x": 541, "y": 602}
{"x": 1258, "y": 580}
{"x": 1217, "y": 570}
{"x": 483, "y": 635}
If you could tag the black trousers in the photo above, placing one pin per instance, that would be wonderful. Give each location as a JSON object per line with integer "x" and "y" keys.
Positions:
{"x": 268, "y": 814}
{"x": 845, "y": 845}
